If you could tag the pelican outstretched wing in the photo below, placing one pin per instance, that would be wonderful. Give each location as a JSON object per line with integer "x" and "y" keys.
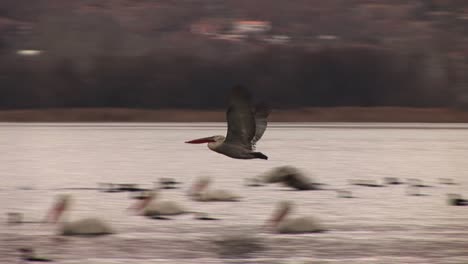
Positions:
{"x": 240, "y": 118}
{"x": 261, "y": 114}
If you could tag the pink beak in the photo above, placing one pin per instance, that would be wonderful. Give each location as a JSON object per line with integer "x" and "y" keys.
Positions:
{"x": 140, "y": 205}
{"x": 55, "y": 213}
{"x": 201, "y": 140}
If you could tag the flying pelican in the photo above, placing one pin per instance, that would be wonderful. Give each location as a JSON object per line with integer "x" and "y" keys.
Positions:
{"x": 152, "y": 208}
{"x": 200, "y": 192}
{"x": 246, "y": 125}
{"x": 305, "y": 224}
{"x": 86, "y": 227}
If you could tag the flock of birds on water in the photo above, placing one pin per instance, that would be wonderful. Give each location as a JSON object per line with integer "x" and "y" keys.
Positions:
{"x": 246, "y": 125}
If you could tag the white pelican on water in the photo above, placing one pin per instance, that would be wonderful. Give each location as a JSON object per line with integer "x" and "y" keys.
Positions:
{"x": 85, "y": 227}
{"x": 151, "y": 207}
{"x": 246, "y": 125}
{"x": 200, "y": 192}
{"x": 282, "y": 224}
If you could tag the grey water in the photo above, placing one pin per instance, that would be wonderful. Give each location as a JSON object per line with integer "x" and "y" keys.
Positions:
{"x": 380, "y": 225}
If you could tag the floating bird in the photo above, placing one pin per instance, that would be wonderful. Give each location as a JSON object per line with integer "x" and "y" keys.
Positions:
{"x": 344, "y": 194}
{"x": 392, "y": 180}
{"x": 290, "y": 176}
{"x": 140, "y": 195}
{"x": 200, "y": 192}
{"x": 366, "y": 183}
{"x": 282, "y": 224}
{"x": 150, "y": 207}
{"x": 119, "y": 187}
{"x": 28, "y": 254}
{"x": 446, "y": 181}
{"x": 456, "y": 199}
{"x": 14, "y": 218}
{"x": 166, "y": 183}
{"x": 204, "y": 216}
{"x": 414, "y": 190}
{"x": 246, "y": 125}
{"x": 17, "y": 218}
{"x": 416, "y": 183}
{"x": 85, "y": 227}
{"x": 253, "y": 182}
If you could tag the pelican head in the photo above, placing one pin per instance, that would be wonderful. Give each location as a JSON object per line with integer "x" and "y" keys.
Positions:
{"x": 199, "y": 185}
{"x": 282, "y": 210}
{"x": 61, "y": 205}
{"x": 214, "y": 142}
{"x": 140, "y": 205}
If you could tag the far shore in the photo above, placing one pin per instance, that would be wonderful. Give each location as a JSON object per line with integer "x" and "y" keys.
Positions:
{"x": 315, "y": 114}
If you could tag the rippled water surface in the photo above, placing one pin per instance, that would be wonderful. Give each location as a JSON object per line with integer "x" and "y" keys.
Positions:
{"x": 380, "y": 225}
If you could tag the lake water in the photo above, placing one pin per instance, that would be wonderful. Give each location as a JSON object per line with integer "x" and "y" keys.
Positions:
{"x": 380, "y": 225}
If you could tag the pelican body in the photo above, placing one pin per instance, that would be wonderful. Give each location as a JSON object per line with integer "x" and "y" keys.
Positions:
{"x": 246, "y": 125}
{"x": 83, "y": 227}
{"x": 150, "y": 207}
{"x": 200, "y": 192}
{"x": 284, "y": 225}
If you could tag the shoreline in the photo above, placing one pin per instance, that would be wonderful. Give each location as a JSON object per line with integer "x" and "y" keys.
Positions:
{"x": 312, "y": 114}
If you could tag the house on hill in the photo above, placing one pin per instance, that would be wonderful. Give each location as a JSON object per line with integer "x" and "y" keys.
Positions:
{"x": 251, "y": 26}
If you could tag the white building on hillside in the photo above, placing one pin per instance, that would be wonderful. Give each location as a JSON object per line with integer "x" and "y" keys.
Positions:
{"x": 251, "y": 26}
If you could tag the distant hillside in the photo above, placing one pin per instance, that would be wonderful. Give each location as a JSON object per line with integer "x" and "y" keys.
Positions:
{"x": 188, "y": 53}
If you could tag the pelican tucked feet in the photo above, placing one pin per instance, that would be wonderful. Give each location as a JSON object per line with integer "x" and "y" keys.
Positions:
{"x": 246, "y": 125}
{"x": 83, "y": 227}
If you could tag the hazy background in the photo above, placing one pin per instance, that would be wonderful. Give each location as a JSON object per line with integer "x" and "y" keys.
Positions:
{"x": 188, "y": 53}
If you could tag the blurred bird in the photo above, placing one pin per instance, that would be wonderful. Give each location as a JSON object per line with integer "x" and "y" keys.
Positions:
{"x": 15, "y": 218}
{"x": 366, "y": 183}
{"x": 446, "y": 181}
{"x": 28, "y": 254}
{"x": 392, "y": 180}
{"x": 414, "y": 190}
{"x": 290, "y": 176}
{"x": 119, "y": 187}
{"x": 150, "y": 207}
{"x": 282, "y": 224}
{"x": 456, "y": 199}
{"x": 84, "y": 227}
{"x": 416, "y": 183}
{"x": 344, "y": 194}
{"x": 253, "y": 182}
{"x": 200, "y": 192}
{"x": 204, "y": 216}
{"x": 166, "y": 183}
{"x": 246, "y": 125}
